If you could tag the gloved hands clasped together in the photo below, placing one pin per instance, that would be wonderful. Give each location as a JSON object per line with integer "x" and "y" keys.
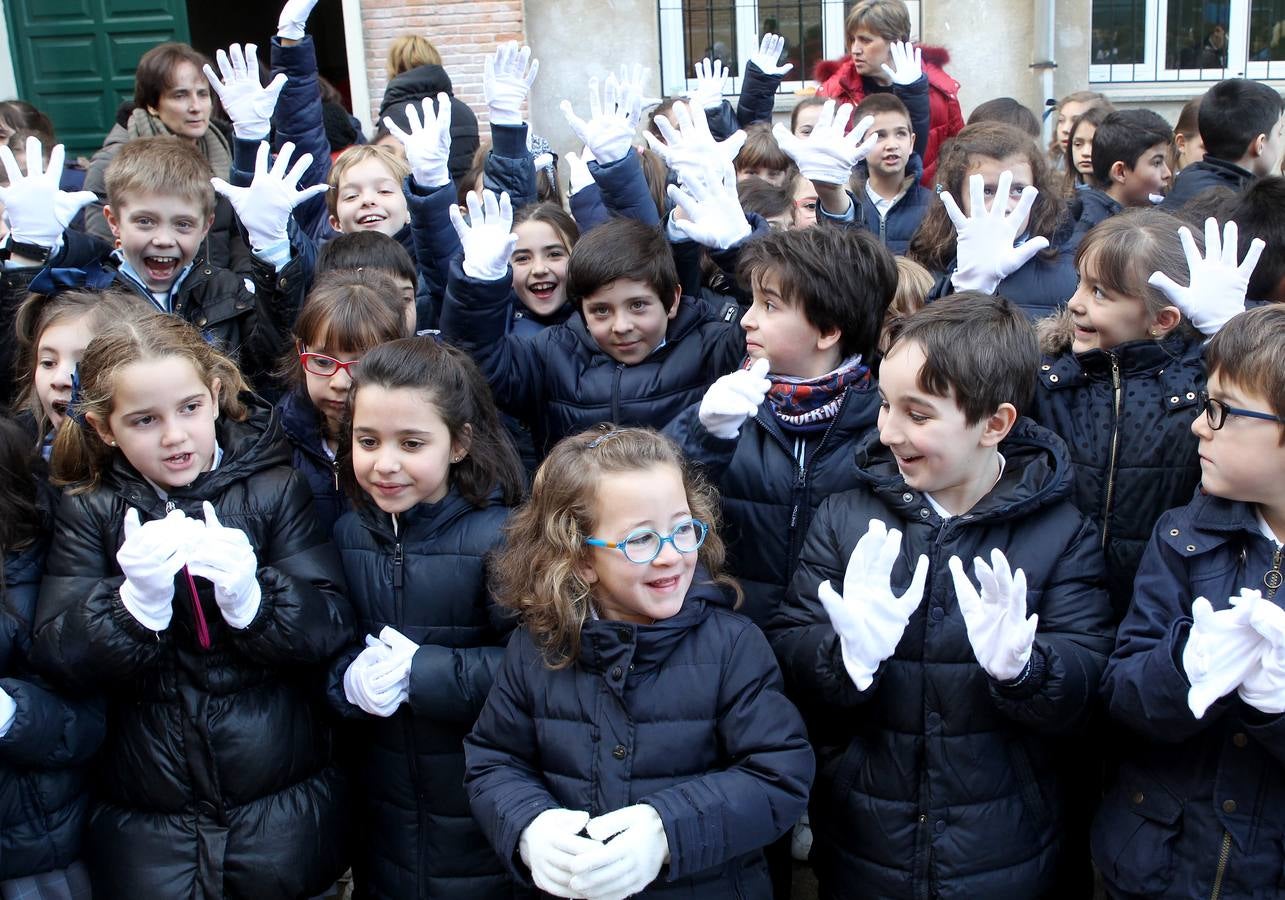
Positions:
{"x": 623, "y": 852}
{"x": 1241, "y": 648}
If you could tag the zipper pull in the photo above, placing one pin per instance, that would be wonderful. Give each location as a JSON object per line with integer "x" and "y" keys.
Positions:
{"x": 334, "y": 467}
{"x": 1273, "y": 577}
{"x": 170, "y": 506}
{"x": 397, "y": 565}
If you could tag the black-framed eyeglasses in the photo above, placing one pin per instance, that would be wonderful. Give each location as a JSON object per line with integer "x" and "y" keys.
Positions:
{"x": 325, "y": 366}
{"x": 644, "y": 544}
{"x": 1216, "y": 412}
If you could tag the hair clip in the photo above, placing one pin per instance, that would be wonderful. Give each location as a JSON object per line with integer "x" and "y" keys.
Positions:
{"x": 74, "y": 412}
{"x": 593, "y": 445}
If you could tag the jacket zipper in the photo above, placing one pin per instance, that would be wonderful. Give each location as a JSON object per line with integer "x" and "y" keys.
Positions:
{"x": 408, "y": 724}
{"x": 800, "y": 479}
{"x": 1115, "y": 446}
{"x": 202, "y": 626}
{"x": 334, "y": 467}
{"x": 1272, "y": 580}
{"x": 615, "y": 395}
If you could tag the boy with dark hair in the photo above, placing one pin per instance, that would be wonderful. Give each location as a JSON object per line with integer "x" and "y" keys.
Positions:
{"x": 934, "y": 705}
{"x": 1198, "y": 673}
{"x": 1243, "y": 131}
{"x": 1260, "y": 213}
{"x": 1130, "y": 167}
{"x": 372, "y": 250}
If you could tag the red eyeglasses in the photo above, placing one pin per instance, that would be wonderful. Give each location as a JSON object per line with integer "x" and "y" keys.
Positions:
{"x": 325, "y": 366}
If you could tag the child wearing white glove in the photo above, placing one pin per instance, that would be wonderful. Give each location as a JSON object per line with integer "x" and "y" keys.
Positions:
{"x": 691, "y": 768}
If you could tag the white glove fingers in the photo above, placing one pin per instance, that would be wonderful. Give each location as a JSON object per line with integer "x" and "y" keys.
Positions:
{"x": 211, "y": 518}
{"x": 1026, "y": 251}
{"x": 595, "y": 99}
{"x": 1021, "y": 214}
{"x": 461, "y": 227}
{"x": 915, "y": 593}
{"x": 295, "y": 175}
{"x": 1213, "y": 240}
{"x": 131, "y": 515}
{"x": 474, "y": 202}
{"x": 857, "y": 136}
{"x": 732, "y": 144}
{"x": 13, "y": 171}
{"x": 1171, "y": 289}
{"x": 977, "y": 196}
{"x": 953, "y": 212}
{"x": 1255, "y": 250}
{"x": 578, "y": 125}
{"x": 282, "y": 161}
{"x": 442, "y": 115}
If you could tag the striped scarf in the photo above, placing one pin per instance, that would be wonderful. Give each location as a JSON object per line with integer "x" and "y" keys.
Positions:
{"x": 809, "y": 404}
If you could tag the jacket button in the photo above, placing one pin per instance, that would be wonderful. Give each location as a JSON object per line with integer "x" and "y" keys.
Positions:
{"x": 1173, "y": 532}
{"x": 907, "y": 497}
{"x": 1173, "y": 399}
{"x": 1229, "y": 806}
{"x": 1191, "y": 395}
{"x": 936, "y": 614}
{"x": 616, "y": 673}
{"x": 1138, "y": 798}
{"x": 1053, "y": 378}
{"x": 1239, "y": 739}
{"x": 923, "y": 513}
{"x": 1045, "y": 367}
{"x": 1191, "y": 548}
{"x": 283, "y": 282}
{"x": 201, "y": 321}
{"x": 940, "y": 827}
{"x": 624, "y": 635}
{"x": 619, "y": 751}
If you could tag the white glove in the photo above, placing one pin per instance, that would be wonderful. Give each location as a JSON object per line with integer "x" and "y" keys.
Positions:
{"x": 714, "y": 217}
{"x": 549, "y": 846}
{"x": 294, "y": 18}
{"x": 374, "y": 682}
{"x": 907, "y": 63}
{"x": 578, "y": 175}
{"x": 428, "y": 146}
{"x": 711, "y": 84}
{"x": 8, "y": 710}
{"x": 225, "y": 558}
{"x": 827, "y": 154}
{"x": 629, "y": 861}
{"x": 151, "y": 555}
{"x": 1264, "y": 687}
{"x": 36, "y": 210}
{"x": 247, "y": 102}
{"x": 609, "y": 133}
{"x": 1218, "y": 285}
{"x": 768, "y": 55}
{"x": 1001, "y": 633}
{"x": 506, "y": 81}
{"x": 487, "y": 237}
{"x": 1222, "y": 649}
{"x": 265, "y": 207}
{"x": 869, "y": 618}
{"x": 690, "y": 150}
{"x": 633, "y": 83}
{"x": 985, "y": 251}
{"x": 733, "y": 399}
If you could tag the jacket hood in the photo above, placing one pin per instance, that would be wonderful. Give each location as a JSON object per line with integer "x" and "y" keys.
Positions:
{"x": 1057, "y": 333}
{"x": 828, "y": 68}
{"x": 301, "y": 423}
{"x": 422, "y": 521}
{"x": 1037, "y": 472}
{"x": 415, "y": 84}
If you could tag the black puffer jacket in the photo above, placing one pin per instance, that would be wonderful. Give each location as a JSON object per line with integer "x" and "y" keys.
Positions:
{"x": 302, "y": 427}
{"x": 1199, "y": 177}
{"x": 1126, "y": 415}
{"x": 1088, "y": 208}
{"x": 427, "y": 579}
{"x": 560, "y": 382}
{"x": 44, "y": 754}
{"x": 217, "y": 779}
{"x": 768, "y": 499}
{"x": 939, "y": 781}
{"x": 428, "y": 81}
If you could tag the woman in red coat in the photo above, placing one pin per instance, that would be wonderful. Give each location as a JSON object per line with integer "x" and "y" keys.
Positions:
{"x": 871, "y": 27}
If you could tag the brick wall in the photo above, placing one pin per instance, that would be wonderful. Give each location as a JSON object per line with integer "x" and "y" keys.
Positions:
{"x": 463, "y": 31}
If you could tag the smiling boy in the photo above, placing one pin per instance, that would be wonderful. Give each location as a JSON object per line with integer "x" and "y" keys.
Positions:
{"x": 1130, "y": 167}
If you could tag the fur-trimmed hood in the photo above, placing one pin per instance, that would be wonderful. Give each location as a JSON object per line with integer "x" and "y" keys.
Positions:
{"x": 826, "y": 68}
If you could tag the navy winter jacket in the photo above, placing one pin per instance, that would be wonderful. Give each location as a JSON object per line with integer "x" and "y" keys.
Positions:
{"x": 1041, "y": 287}
{"x": 298, "y": 118}
{"x": 425, "y": 576}
{"x": 509, "y": 167}
{"x": 768, "y": 499}
{"x": 560, "y": 382}
{"x": 1125, "y": 415}
{"x": 218, "y": 777}
{"x": 1089, "y": 207}
{"x": 1198, "y": 806}
{"x": 302, "y": 427}
{"x": 938, "y": 780}
{"x": 686, "y": 715}
{"x": 897, "y": 228}
{"x": 46, "y": 751}
{"x": 758, "y": 96}
{"x": 1199, "y": 177}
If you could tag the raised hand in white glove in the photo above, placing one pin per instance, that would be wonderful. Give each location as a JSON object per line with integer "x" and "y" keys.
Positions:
{"x": 711, "y": 84}
{"x": 1001, "y": 633}
{"x": 578, "y": 175}
{"x": 247, "y": 102}
{"x": 1221, "y": 651}
{"x": 36, "y": 210}
{"x": 869, "y": 618}
{"x": 549, "y": 846}
{"x": 224, "y": 557}
{"x": 613, "y": 116}
{"x": 374, "y": 682}
{"x": 428, "y": 145}
{"x": 689, "y": 149}
{"x": 264, "y": 207}
{"x": 985, "y": 247}
{"x": 768, "y": 56}
{"x": 1264, "y": 686}
{"x": 712, "y": 210}
{"x": 827, "y": 155}
{"x": 487, "y": 237}
{"x": 733, "y": 399}
{"x": 506, "y": 81}
{"x": 151, "y": 555}
{"x": 294, "y": 19}
{"x": 907, "y": 63}
{"x": 1218, "y": 283}
{"x": 629, "y": 861}
{"x": 633, "y": 82}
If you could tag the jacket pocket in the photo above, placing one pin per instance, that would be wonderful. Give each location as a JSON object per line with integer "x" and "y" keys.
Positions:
{"x": 1033, "y": 799}
{"x": 1135, "y": 832}
{"x": 845, "y": 772}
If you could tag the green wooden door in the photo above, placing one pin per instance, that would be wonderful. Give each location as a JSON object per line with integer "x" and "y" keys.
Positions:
{"x": 75, "y": 59}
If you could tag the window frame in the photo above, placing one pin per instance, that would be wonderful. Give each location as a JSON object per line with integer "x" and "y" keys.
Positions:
{"x": 1152, "y": 69}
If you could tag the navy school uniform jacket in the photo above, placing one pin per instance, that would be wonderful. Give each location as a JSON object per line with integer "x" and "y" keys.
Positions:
{"x": 427, "y": 579}
{"x": 1125, "y": 415}
{"x": 217, "y": 778}
{"x": 768, "y": 499}
{"x": 1194, "y": 799}
{"x": 1199, "y": 177}
{"x": 1090, "y": 207}
{"x": 303, "y": 429}
{"x": 686, "y": 715}
{"x": 902, "y": 221}
{"x": 560, "y": 382}
{"x": 1041, "y": 287}
{"x": 44, "y": 756}
{"x": 939, "y": 780}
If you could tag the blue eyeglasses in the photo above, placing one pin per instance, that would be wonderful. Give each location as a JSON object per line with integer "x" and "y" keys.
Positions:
{"x": 1217, "y": 412}
{"x": 644, "y": 544}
